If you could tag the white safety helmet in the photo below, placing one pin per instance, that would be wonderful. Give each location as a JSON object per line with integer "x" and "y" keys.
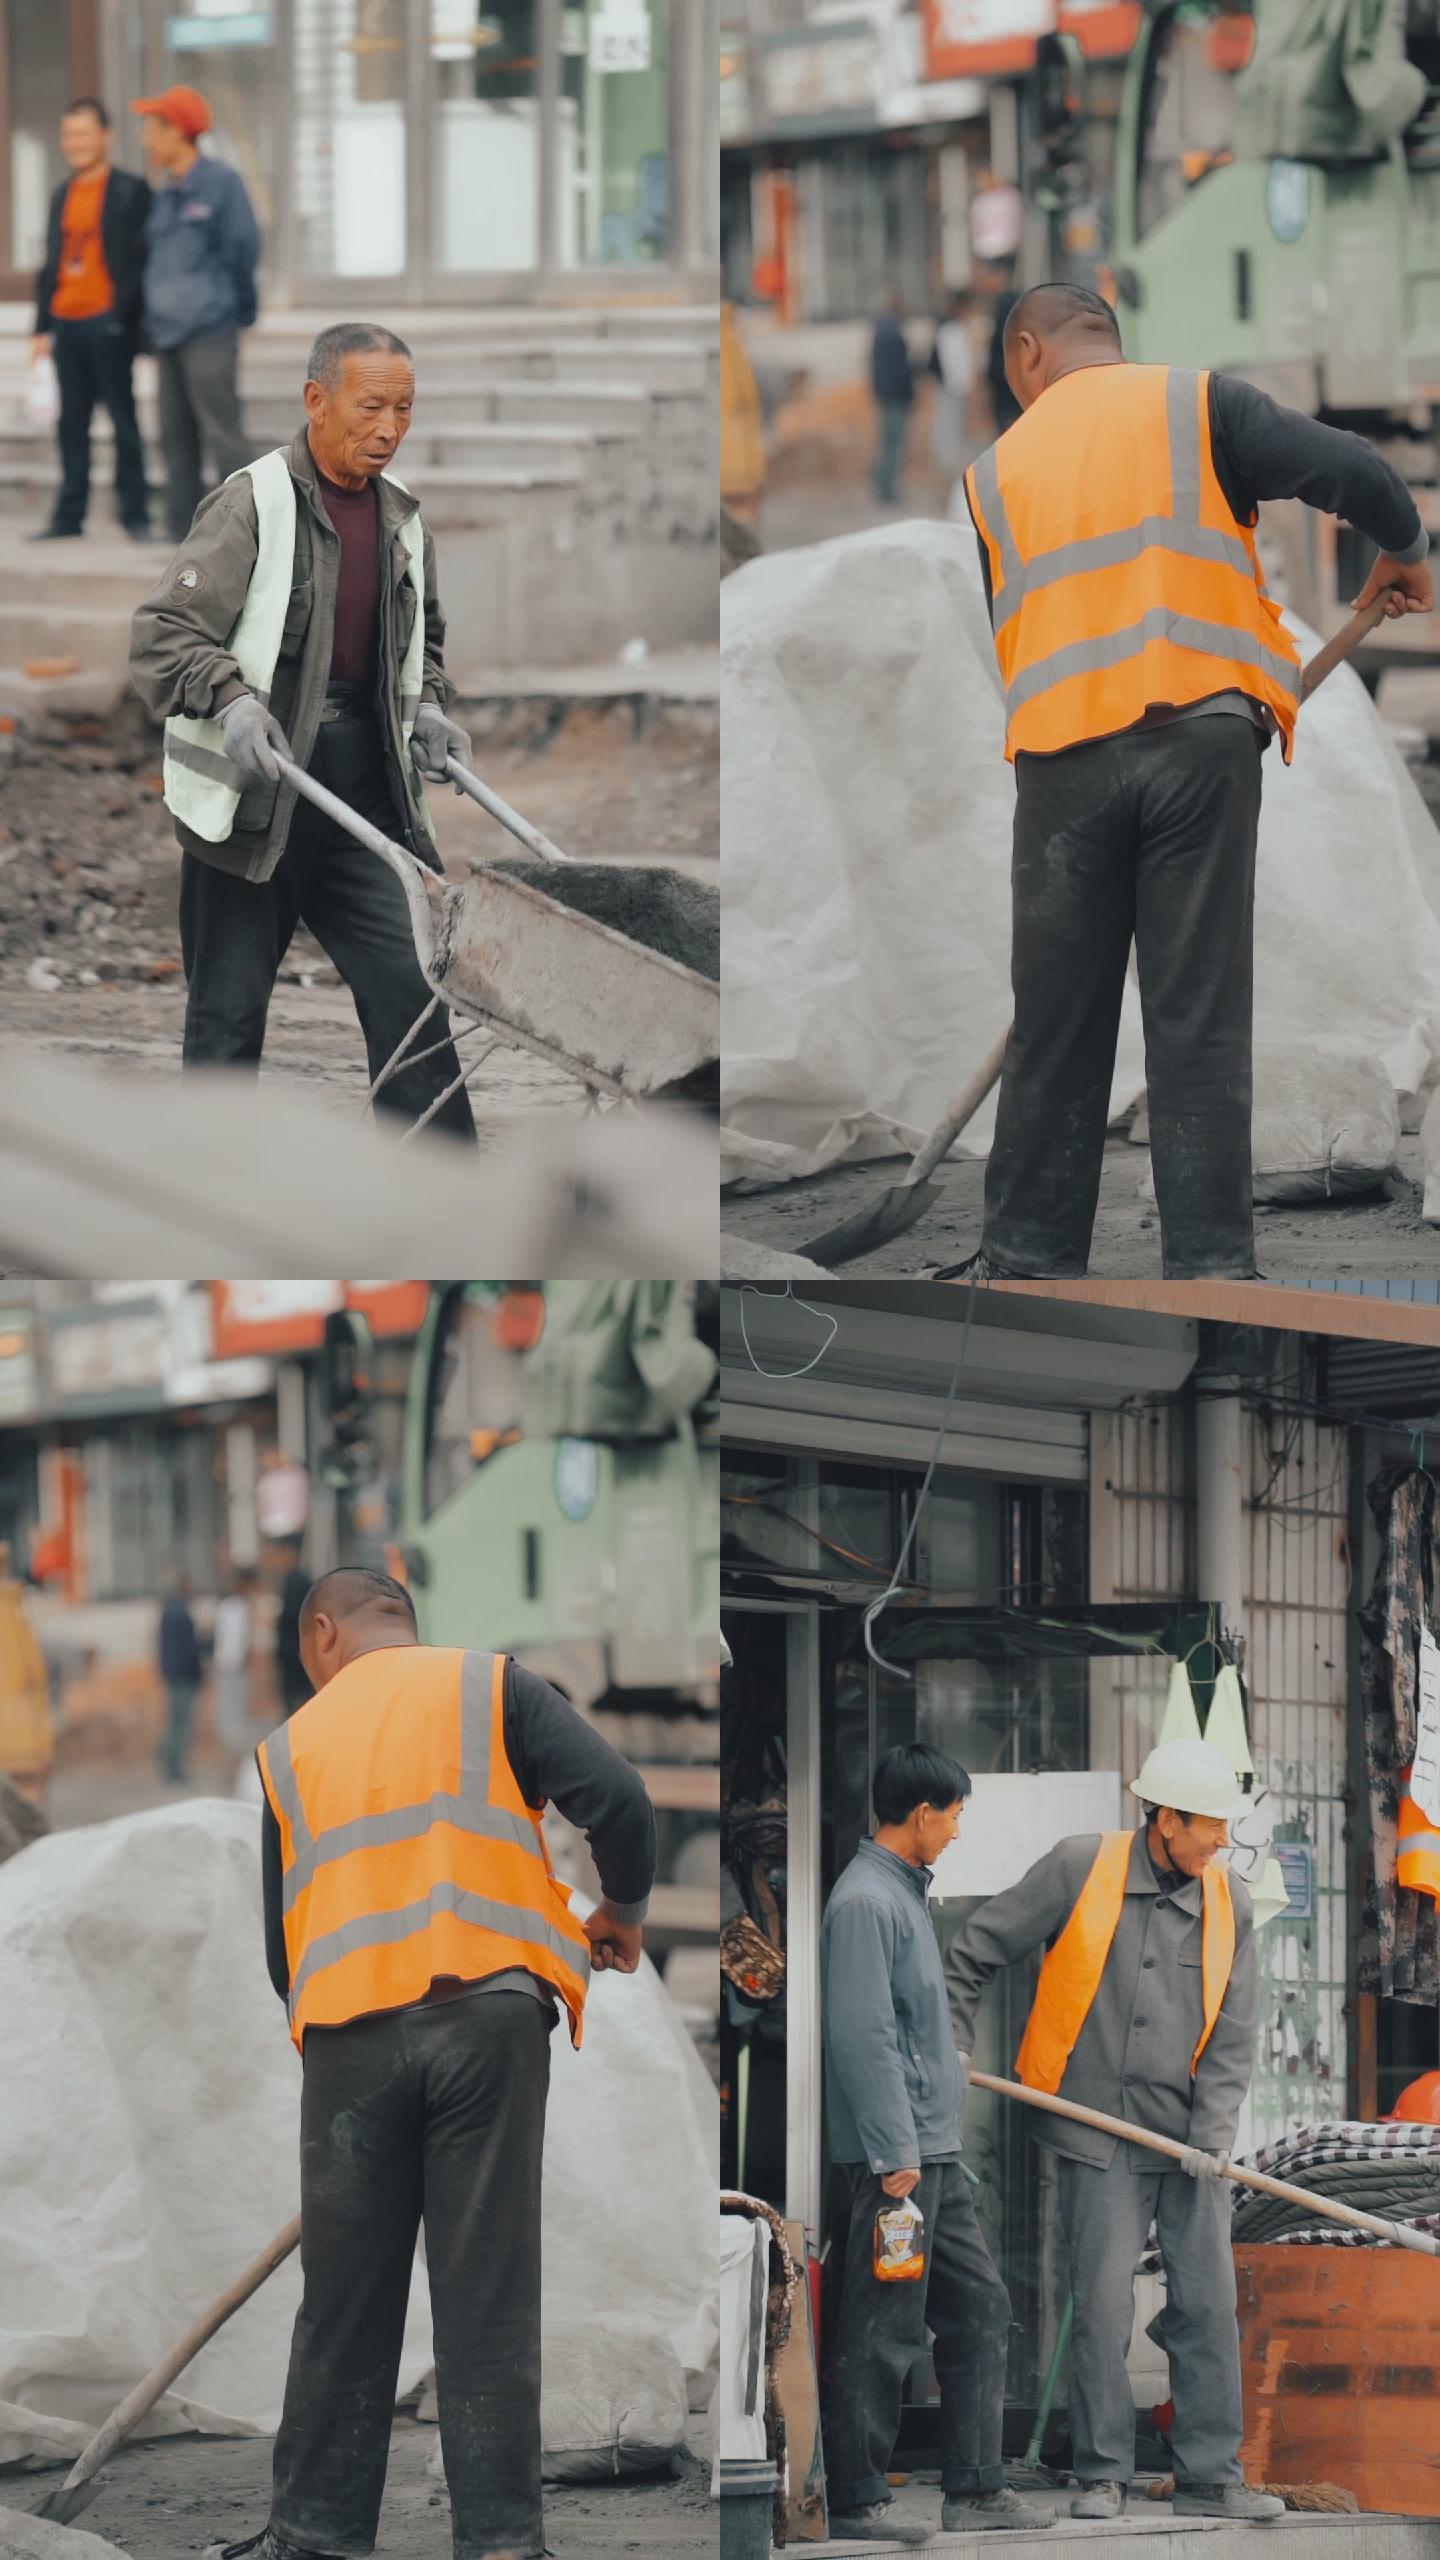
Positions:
{"x": 1193, "y": 1777}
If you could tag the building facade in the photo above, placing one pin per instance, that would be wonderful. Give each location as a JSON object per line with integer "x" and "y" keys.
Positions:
{"x": 454, "y": 153}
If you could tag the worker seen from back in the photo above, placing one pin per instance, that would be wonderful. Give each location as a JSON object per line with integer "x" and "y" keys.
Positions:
{"x": 301, "y": 618}
{"x": 1146, "y": 2009}
{"x": 424, "y": 1949}
{"x": 1145, "y": 671}
{"x": 896, "y": 2093}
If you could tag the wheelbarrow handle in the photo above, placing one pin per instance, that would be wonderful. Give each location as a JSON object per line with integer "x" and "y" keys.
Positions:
{"x": 413, "y": 875}
{"x": 474, "y": 789}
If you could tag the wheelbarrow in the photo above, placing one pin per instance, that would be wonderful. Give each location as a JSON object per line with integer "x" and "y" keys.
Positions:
{"x": 520, "y": 969}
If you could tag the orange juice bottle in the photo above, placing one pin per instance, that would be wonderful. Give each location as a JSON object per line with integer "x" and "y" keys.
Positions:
{"x": 900, "y": 2243}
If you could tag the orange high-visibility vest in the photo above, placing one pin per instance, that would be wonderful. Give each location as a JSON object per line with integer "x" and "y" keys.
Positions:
{"x": 1070, "y": 1974}
{"x": 1417, "y": 1859}
{"x": 1119, "y": 577}
{"x": 408, "y": 1851}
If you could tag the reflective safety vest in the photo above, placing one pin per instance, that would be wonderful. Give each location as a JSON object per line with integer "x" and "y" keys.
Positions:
{"x": 1070, "y": 1974}
{"x": 1417, "y": 1859}
{"x": 202, "y": 786}
{"x": 1119, "y": 577}
{"x": 407, "y": 1849}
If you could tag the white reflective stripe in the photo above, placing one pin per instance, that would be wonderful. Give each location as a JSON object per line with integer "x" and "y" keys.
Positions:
{"x": 201, "y": 797}
{"x": 1178, "y": 630}
{"x": 412, "y": 673}
{"x": 388, "y": 1928}
{"x": 997, "y": 523}
{"x": 1182, "y": 417}
{"x": 1112, "y": 550}
{"x": 198, "y": 759}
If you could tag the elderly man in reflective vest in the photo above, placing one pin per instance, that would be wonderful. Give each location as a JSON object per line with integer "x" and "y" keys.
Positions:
{"x": 424, "y": 1950}
{"x": 1146, "y": 2009}
{"x": 1145, "y": 670}
{"x": 300, "y": 618}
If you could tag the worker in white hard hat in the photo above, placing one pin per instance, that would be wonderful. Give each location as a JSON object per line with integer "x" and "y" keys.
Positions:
{"x": 1146, "y": 2008}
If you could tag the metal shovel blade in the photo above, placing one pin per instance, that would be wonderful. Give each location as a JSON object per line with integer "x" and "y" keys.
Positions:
{"x": 906, "y": 1202}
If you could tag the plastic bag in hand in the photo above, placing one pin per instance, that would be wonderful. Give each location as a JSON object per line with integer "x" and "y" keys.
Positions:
{"x": 42, "y": 394}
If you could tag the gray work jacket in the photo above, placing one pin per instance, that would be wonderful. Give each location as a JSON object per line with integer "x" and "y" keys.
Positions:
{"x": 1132, "y": 2055}
{"x": 179, "y": 661}
{"x": 892, "y": 2079}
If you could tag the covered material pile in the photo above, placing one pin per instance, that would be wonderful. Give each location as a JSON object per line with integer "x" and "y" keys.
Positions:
{"x": 149, "y": 2145}
{"x": 1387, "y": 2169}
{"x": 866, "y": 820}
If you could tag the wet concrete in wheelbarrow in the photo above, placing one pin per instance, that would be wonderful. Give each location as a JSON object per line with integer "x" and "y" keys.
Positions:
{"x": 663, "y": 909}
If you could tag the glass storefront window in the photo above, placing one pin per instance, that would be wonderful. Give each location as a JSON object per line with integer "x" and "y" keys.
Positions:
{"x": 348, "y": 142}
{"x": 487, "y": 128}
{"x": 37, "y": 73}
{"x": 237, "y": 83}
{"x": 614, "y": 134}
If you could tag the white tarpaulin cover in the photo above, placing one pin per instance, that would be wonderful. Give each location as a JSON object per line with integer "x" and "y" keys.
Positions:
{"x": 866, "y": 835}
{"x": 149, "y": 2136}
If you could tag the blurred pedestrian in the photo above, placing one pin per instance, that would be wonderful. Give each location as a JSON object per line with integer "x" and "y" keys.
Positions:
{"x": 27, "y": 1736}
{"x": 181, "y": 1670}
{"x": 425, "y": 1955}
{"x": 202, "y": 249}
{"x": 892, "y": 383}
{"x": 341, "y": 668}
{"x": 235, "y": 1666}
{"x": 1004, "y": 407}
{"x": 290, "y": 1669}
{"x": 953, "y": 364}
{"x": 1146, "y": 668}
{"x": 88, "y": 299}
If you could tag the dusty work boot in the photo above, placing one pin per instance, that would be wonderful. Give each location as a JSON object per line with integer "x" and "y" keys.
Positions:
{"x": 875, "y": 2524}
{"x": 262, "y": 2546}
{"x": 1098, "y": 2501}
{"x": 994, "y": 2511}
{"x": 1228, "y": 2498}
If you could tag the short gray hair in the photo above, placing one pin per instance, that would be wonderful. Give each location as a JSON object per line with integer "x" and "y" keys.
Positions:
{"x": 350, "y": 338}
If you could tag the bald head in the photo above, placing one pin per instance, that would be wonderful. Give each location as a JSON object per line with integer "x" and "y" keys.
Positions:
{"x": 349, "y": 1612}
{"x": 1057, "y": 329}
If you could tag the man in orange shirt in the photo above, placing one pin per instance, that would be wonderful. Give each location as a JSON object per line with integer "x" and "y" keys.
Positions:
{"x": 87, "y": 314}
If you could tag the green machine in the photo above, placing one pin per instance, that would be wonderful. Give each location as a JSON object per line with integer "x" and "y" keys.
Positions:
{"x": 1275, "y": 212}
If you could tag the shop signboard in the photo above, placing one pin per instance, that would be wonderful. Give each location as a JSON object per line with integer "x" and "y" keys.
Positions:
{"x": 210, "y": 33}
{"x": 19, "y": 1367}
{"x": 975, "y": 39}
{"x": 276, "y": 1316}
{"x": 827, "y": 78}
{"x": 112, "y": 1359}
{"x": 620, "y": 36}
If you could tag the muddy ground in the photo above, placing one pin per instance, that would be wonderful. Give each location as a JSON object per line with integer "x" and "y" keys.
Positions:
{"x": 183, "y": 2494}
{"x": 1379, "y": 1239}
{"x": 89, "y": 947}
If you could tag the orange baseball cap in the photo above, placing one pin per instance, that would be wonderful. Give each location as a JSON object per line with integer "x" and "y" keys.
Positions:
{"x": 184, "y": 108}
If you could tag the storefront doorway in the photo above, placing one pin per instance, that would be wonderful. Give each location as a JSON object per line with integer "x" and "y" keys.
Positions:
{"x": 48, "y": 55}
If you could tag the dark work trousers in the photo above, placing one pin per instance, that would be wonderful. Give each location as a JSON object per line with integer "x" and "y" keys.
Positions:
{"x": 199, "y": 412}
{"x": 1148, "y": 837}
{"x": 93, "y": 361}
{"x": 234, "y": 933}
{"x": 877, "y": 2331}
{"x": 1107, "y": 2214}
{"x": 435, "y": 2114}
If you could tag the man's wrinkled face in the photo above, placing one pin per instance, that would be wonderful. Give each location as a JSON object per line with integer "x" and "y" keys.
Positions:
{"x": 357, "y": 428}
{"x": 82, "y": 140}
{"x": 1192, "y": 1840}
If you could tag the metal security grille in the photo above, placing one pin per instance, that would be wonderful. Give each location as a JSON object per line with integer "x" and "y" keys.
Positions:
{"x": 1297, "y": 1599}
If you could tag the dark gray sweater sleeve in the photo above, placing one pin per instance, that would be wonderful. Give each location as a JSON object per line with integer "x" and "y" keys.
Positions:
{"x": 272, "y": 1888}
{"x": 1223, "y": 2072}
{"x": 559, "y": 1759}
{"x": 862, "y": 2040}
{"x": 1264, "y": 451}
{"x": 1010, "y": 1925}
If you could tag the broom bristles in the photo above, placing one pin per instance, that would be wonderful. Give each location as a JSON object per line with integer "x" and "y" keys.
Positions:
{"x": 1302, "y": 2497}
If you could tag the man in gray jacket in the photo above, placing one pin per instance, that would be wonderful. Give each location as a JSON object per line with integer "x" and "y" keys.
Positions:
{"x": 896, "y": 2089}
{"x": 335, "y": 708}
{"x": 1155, "y": 2025}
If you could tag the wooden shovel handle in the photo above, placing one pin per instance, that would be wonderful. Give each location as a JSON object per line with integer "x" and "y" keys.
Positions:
{"x": 1344, "y": 644}
{"x": 964, "y": 1107}
{"x": 123, "y": 2420}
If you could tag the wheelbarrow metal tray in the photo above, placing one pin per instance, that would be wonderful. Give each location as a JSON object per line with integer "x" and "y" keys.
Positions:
{"x": 508, "y": 952}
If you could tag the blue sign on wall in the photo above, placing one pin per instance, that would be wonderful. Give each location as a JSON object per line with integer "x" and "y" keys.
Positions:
{"x": 1297, "y": 1865}
{"x": 199, "y": 35}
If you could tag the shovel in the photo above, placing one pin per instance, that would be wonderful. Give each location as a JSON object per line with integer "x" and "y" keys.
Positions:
{"x": 1424, "y": 2243}
{"x": 905, "y": 1202}
{"x": 79, "y": 2485}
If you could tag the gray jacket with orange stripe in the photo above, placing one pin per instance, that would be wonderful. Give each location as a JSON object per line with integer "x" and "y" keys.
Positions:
{"x": 1132, "y": 2055}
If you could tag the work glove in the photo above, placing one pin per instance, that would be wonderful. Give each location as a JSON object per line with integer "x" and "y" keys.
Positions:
{"x": 1208, "y": 2166}
{"x": 253, "y": 737}
{"x": 434, "y": 738}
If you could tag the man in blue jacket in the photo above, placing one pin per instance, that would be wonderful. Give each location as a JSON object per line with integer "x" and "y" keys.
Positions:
{"x": 202, "y": 249}
{"x": 895, "y": 2086}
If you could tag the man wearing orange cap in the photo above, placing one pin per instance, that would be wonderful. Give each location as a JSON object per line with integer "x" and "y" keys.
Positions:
{"x": 202, "y": 247}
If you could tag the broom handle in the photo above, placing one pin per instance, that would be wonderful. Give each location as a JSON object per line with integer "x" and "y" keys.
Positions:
{"x": 1421, "y": 2241}
{"x": 133, "y": 2407}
